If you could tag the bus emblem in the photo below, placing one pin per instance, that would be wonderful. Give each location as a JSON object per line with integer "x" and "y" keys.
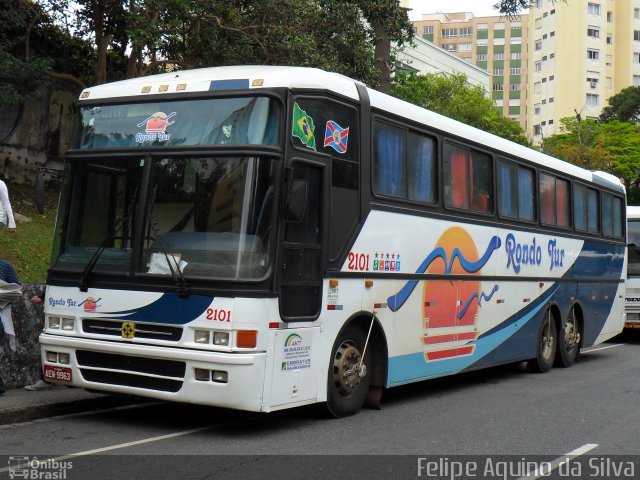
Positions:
{"x": 155, "y": 127}
{"x": 128, "y": 330}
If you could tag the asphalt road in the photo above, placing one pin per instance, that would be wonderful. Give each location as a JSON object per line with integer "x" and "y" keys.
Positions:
{"x": 591, "y": 409}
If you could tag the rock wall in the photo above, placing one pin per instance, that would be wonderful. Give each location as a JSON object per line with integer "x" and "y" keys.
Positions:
{"x": 22, "y": 367}
{"x": 35, "y": 134}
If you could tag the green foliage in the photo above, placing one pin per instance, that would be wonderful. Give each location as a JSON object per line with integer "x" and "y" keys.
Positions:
{"x": 624, "y": 106}
{"x": 454, "y": 97}
{"x": 613, "y": 147}
{"x": 31, "y": 46}
{"x": 29, "y": 248}
{"x": 144, "y": 36}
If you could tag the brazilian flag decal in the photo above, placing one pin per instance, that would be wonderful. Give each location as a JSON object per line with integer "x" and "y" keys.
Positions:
{"x": 303, "y": 127}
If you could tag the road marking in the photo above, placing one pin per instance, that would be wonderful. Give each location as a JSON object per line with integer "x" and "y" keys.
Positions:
{"x": 136, "y": 442}
{"x": 539, "y": 473}
{"x": 603, "y": 348}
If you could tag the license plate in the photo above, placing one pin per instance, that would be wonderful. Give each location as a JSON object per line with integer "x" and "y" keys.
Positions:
{"x": 57, "y": 374}
{"x": 632, "y": 325}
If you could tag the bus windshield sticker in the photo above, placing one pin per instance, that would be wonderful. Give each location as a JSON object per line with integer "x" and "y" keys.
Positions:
{"x": 336, "y": 137}
{"x": 303, "y": 127}
{"x": 155, "y": 127}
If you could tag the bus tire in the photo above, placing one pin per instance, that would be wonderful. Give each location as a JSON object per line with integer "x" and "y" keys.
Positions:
{"x": 547, "y": 342}
{"x": 348, "y": 388}
{"x": 569, "y": 341}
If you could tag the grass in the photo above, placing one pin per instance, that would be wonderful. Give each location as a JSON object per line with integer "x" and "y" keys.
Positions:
{"x": 29, "y": 248}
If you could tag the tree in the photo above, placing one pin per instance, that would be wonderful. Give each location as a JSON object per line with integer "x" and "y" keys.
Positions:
{"x": 136, "y": 37}
{"x": 624, "y": 106}
{"x": 613, "y": 147}
{"x": 454, "y": 97}
{"x": 31, "y": 47}
{"x": 511, "y": 8}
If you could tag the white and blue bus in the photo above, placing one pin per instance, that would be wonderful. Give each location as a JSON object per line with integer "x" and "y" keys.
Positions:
{"x": 632, "y": 297}
{"x": 263, "y": 237}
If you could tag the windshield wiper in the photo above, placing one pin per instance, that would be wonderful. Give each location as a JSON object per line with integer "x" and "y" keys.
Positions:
{"x": 178, "y": 277}
{"x": 83, "y": 285}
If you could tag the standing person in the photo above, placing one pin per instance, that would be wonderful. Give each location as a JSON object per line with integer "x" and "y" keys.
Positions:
{"x": 9, "y": 292}
{"x": 6, "y": 212}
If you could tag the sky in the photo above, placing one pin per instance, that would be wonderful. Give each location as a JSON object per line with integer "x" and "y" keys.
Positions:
{"x": 480, "y": 8}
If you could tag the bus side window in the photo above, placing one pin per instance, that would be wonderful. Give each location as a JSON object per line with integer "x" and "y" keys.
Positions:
{"x": 456, "y": 176}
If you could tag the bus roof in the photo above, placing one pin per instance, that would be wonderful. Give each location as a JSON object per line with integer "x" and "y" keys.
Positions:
{"x": 224, "y": 78}
{"x": 267, "y": 76}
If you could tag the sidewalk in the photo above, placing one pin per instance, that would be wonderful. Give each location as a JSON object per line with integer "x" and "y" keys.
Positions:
{"x": 20, "y": 405}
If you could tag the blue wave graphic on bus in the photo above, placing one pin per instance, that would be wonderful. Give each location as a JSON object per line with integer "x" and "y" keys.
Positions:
{"x": 396, "y": 301}
{"x": 479, "y": 296}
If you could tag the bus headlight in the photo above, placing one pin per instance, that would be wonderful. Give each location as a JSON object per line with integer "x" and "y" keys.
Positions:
{"x": 220, "y": 338}
{"x": 52, "y": 357}
{"x": 201, "y": 336}
{"x": 63, "y": 358}
{"x": 68, "y": 323}
{"x": 202, "y": 375}
{"x": 220, "y": 376}
{"x": 54, "y": 322}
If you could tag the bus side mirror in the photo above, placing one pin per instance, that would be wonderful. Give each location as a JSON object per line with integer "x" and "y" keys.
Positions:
{"x": 297, "y": 204}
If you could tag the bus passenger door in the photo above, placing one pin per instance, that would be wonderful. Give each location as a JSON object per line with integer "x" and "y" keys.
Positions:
{"x": 301, "y": 270}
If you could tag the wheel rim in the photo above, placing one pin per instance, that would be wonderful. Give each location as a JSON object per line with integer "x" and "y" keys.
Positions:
{"x": 346, "y": 368}
{"x": 547, "y": 341}
{"x": 570, "y": 336}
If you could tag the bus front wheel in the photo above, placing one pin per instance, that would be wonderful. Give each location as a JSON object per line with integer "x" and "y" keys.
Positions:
{"x": 349, "y": 373}
{"x": 546, "y": 345}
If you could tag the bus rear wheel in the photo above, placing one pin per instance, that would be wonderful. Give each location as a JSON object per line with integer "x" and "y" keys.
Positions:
{"x": 349, "y": 373}
{"x": 569, "y": 341}
{"x": 546, "y": 345}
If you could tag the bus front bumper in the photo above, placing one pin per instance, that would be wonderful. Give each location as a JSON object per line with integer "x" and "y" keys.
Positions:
{"x": 233, "y": 380}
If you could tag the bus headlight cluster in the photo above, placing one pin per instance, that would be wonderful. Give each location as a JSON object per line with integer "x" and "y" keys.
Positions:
{"x": 218, "y": 376}
{"x": 61, "y": 323}
{"x": 204, "y": 337}
{"x": 57, "y": 357}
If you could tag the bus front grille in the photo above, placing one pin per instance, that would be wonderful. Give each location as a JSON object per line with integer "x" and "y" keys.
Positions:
{"x": 125, "y": 370}
{"x": 142, "y": 330}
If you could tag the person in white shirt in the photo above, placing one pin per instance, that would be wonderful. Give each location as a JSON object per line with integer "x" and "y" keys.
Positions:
{"x": 6, "y": 212}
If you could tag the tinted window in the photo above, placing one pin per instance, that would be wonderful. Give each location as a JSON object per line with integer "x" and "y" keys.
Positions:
{"x": 403, "y": 163}
{"x": 325, "y": 126}
{"x": 611, "y": 215}
{"x": 232, "y": 121}
{"x": 515, "y": 191}
{"x": 467, "y": 178}
{"x": 554, "y": 201}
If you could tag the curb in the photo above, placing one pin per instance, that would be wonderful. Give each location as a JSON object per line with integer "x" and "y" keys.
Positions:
{"x": 35, "y": 412}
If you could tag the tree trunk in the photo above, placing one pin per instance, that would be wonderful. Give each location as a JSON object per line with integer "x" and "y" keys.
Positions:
{"x": 383, "y": 58}
{"x": 101, "y": 42}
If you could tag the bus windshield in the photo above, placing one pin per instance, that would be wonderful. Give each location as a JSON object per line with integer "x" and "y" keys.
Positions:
{"x": 222, "y": 121}
{"x": 206, "y": 216}
{"x": 633, "y": 231}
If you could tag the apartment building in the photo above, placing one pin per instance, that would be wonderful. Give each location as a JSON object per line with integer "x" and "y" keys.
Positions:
{"x": 580, "y": 54}
{"x": 496, "y": 44}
